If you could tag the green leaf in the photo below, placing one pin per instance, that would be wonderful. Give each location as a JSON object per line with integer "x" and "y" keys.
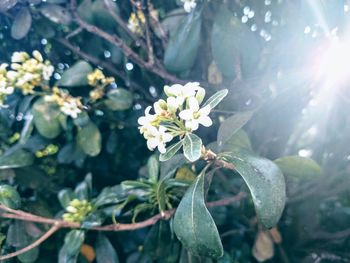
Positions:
{"x": 9, "y": 197}
{"x": 193, "y": 224}
{"x": 298, "y": 167}
{"x": 89, "y": 139}
{"x": 153, "y": 168}
{"x": 7, "y": 4}
{"x": 22, "y": 23}
{"x": 119, "y": 99}
{"x": 56, "y": 13}
{"x": 214, "y": 100}
{"x": 181, "y": 52}
{"x": 240, "y": 140}
{"x": 76, "y": 75}
{"x": 82, "y": 119}
{"x": 15, "y": 159}
{"x": 158, "y": 243}
{"x": 192, "y": 147}
{"x": 266, "y": 184}
{"x": 73, "y": 240}
{"x": 29, "y": 256}
{"x": 170, "y": 151}
{"x": 83, "y": 190}
{"x": 102, "y": 17}
{"x": 105, "y": 252}
{"x": 110, "y": 195}
{"x": 232, "y": 125}
{"x": 233, "y": 42}
{"x": 46, "y": 118}
{"x": 94, "y": 219}
{"x": 65, "y": 196}
{"x": 2, "y": 238}
{"x": 16, "y": 235}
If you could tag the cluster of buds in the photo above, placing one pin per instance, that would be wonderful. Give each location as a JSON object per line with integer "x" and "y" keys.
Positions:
{"x": 176, "y": 116}
{"x": 98, "y": 80}
{"x": 5, "y": 87}
{"x": 136, "y": 21}
{"x": 69, "y": 105}
{"x": 77, "y": 211}
{"x": 28, "y": 72}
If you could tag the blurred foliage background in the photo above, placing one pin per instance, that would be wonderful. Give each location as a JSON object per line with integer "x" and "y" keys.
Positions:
{"x": 269, "y": 54}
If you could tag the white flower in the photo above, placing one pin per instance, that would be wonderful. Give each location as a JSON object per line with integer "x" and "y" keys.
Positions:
{"x": 6, "y": 90}
{"x": 11, "y": 75}
{"x": 27, "y": 77}
{"x": 189, "y": 5}
{"x": 180, "y": 92}
{"x": 3, "y": 67}
{"x": 70, "y": 108}
{"x": 158, "y": 138}
{"x": 19, "y": 57}
{"x": 195, "y": 116}
{"x": 47, "y": 72}
{"x": 146, "y": 122}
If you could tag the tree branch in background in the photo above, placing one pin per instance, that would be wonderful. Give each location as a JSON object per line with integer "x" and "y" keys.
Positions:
{"x": 110, "y": 67}
{"x": 155, "y": 68}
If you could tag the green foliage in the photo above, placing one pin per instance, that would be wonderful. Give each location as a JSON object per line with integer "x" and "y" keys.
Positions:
{"x": 70, "y": 148}
{"x": 193, "y": 224}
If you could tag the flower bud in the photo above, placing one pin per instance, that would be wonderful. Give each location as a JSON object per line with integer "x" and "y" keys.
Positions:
{"x": 37, "y": 55}
{"x": 71, "y": 209}
{"x": 167, "y": 91}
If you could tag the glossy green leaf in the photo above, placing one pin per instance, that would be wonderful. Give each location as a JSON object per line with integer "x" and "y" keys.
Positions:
{"x": 193, "y": 224}
{"x": 89, "y": 139}
{"x": 119, "y": 99}
{"x": 192, "y": 147}
{"x": 105, "y": 252}
{"x": 73, "y": 241}
{"x": 56, "y": 13}
{"x": 215, "y": 99}
{"x": 170, "y": 151}
{"x": 93, "y": 219}
{"x": 153, "y": 168}
{"x": 15, "y": 159}
{"x": 181, "y": 52}
{"x": 46, "y": 118}
{"x": 232, "y": 43}
{"x": 9, "y": 197}
{"x": 266, "y": 184}
{"x": 65, "y": 196}
{"x": 76, "y": 75}
{"x": 22, "y": 23}
{"x": 232, "y": 125}
{"x": 298, "y": 167}
{"x": 110, "y": 195}
{"x": 2, "y": 238}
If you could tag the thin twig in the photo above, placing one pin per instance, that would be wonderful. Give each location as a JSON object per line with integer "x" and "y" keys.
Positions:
{"x": 49, "y": 233}
{"x": 155, "y": 68}
{"x": 112, "y": 227}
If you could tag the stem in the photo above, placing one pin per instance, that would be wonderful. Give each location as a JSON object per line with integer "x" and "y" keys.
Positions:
{"x": 49, "y": 233}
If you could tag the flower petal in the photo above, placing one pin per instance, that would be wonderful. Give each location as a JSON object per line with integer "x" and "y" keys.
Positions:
{"x": 186, "y": 114}
{"x": 205, "y": 121}
{"x": 193, "y": 104}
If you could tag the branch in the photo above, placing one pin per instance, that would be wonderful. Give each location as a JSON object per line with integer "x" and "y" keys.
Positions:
{"x": 49, "y": 233}
{"x": 20, "y": 215}
{"x": 122, "y": 24}
{"x": 155, "y": 68}
{"x": 110, "y": 67}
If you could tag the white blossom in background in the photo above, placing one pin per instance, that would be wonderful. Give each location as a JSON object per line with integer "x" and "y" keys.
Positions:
{"x": 71, "y": 108}
{"x": 189, "y": 5}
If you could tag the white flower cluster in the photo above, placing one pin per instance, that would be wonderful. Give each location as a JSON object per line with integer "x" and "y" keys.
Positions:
{"x": 179, "y": 114}
{"x": 26, "y": 73}
{"x": 189, "y": 5}
{"x": 69, "y": 105}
